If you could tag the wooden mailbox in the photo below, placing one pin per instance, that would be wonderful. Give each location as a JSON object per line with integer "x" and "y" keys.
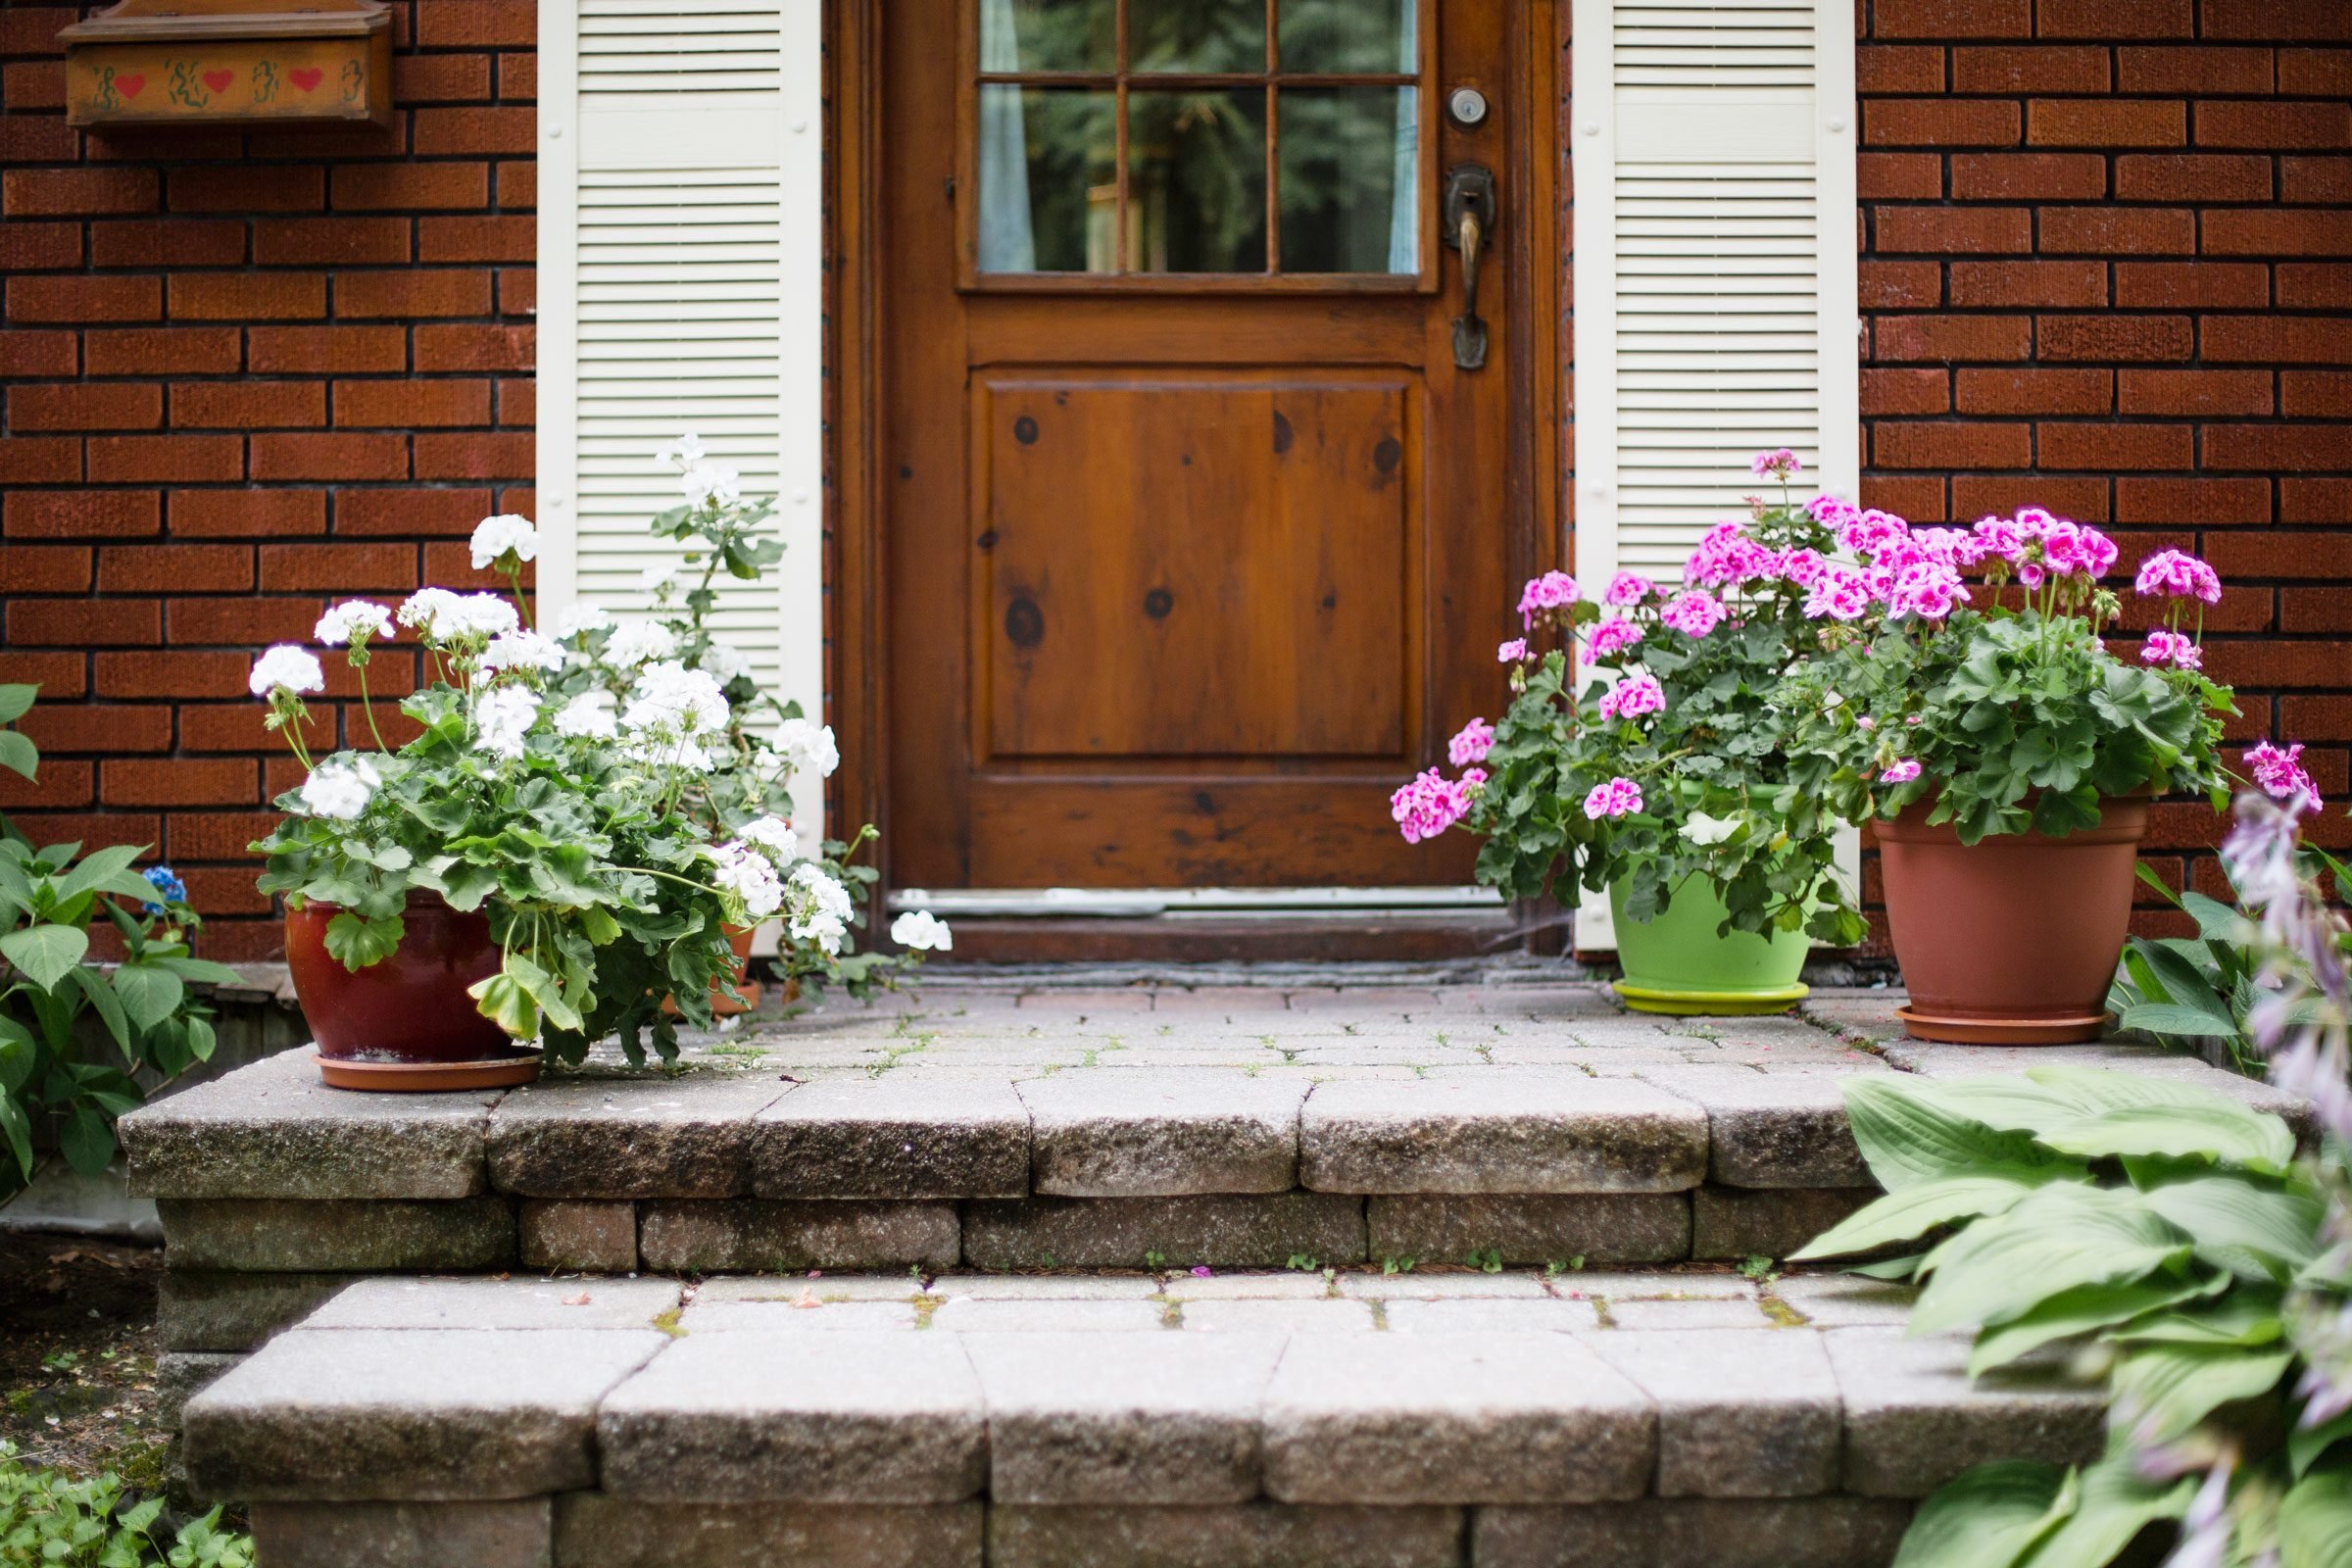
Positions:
{"x": 229, "y": 63}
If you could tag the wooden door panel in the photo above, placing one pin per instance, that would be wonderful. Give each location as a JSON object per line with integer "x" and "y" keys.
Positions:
{"x": 1194, "y": 567}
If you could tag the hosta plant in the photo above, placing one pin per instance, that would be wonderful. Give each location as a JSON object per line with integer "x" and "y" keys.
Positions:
{"x": 1656, "y": 755}
{"x": 2171, "y": 1242}
{"x": 54, "y": 1520}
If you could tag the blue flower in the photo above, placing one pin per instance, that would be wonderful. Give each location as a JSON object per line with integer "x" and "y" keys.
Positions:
{"x": 173, "y": 889}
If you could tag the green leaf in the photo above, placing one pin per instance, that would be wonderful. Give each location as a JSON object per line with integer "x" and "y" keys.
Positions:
{"x": 2165, "y": 1389}
{"x": 356, "y": 941}
{"x": 19, "y": 1131}
{"x": 108, "y": 1007}
{"x": 2171, "y": 1018}
{"x": 1914, "y": 1211}
{"x": 1988, "y": 1517}
{"x": 2114, "y": 1504}
{"x": 17, "y": 753}
{"x": 2315, "y": 1521}
{"x": 98, "y": 869}
{"x": 545, "y": 990}
{"x": 2305, "y": 1445}
{"x": 505, "y": 1004}
{"x": 2246, "y": 1227}
{"x": 2081, "y": 1310}
{"x": 2220, "y": 1130}
{"x": 44, "y": 954}
{"x": 16, "y": 701}
{"x": 87, "y": 1141}
{"x": 2055, "y": 1239}
{"x": 150, "y": 994}
{"x": 1908, "y": 1136}
{"x": 203, "y": 971}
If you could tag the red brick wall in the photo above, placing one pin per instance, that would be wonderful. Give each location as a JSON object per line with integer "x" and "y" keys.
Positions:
{"x": 246, "y": 374}
{"x": 2107, "y": 263}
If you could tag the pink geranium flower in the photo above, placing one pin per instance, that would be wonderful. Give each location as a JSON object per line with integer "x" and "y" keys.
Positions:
{"x": 1550, "y": 591}
{"x": 1616, "y": 798}
{"x": 1472, "y": 745}
{"x": 1628, "y": 588}
{"x": 1511, "y": 652}
{"x": 2177, "y": 574}
{"x": 1693, "y": 613}
{"x": 1613, "y": 636}
{"x": 1900, "y": 771}
{"x": 1428, "y": 805}
{"x": 2177, "y": 649}
{"x": 1633, "y": 697}
{"x": 1780, "y": 463}
{"x": 1837, "y": 593}
{"x": 2281, "y": 773}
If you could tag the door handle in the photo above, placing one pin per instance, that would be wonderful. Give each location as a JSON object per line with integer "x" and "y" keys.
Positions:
{"x": 1469, "y": 226}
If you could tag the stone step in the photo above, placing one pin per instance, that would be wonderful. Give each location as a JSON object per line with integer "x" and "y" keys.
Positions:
{"x": 1288, "y": 1418}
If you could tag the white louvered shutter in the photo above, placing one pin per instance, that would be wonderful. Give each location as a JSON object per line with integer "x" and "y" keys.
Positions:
{"x": 679, "y": 287}
{"x": 1712, "y": 148}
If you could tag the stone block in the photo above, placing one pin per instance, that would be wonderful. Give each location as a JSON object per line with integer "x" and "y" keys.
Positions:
{"x": 849, "y": 1417}
{"x": 514, "y": 1534}
{"x": 1250, "y": 1230}
{"x": 688, "y": 1136}
{"x": 1688, "y": 1312}
{"x": 965, "y": 1314}
{"x": 1455, "y": 1418}
{"x": 1771, "y": 1129}
{"x": 1833, "y": 1532}
{"x": 1330, "y": 1316}
{"x": 274, "y": 1131}
{"x": 895, "y": 1136}
{"x": 1507, "y": 1315}
{"x": 181, "y": 1375}
{"x": 1482, "y": 1131}
{"x": 1443, "y": 1283}
{"x": 1291, "y": 1285}
{"x": 1913, "y": 1421}
{"x": 1159, "y": 1132}
{"x": 595, "y": 1531}
{"x": 1743, "y": 1412}
{"x": 403, "y": 1302}
{"x": 1736, "y": 1222}
{"x": 1137, "y": 1286}
{"x": 284, "y": 1236}
{"x": 1844, "y": 1300}
{"x": 1123, "y": 1418}
{"x": 805, "y": 1312}
{"x": 1250, "y": 1534}
{"x": 408, "y": 1415}
{"x": 202, "y": 1310}
{"x": 709, "y": 1235}
{"x": 578, "y": 1236}
{"x": 1532, "y": 1227}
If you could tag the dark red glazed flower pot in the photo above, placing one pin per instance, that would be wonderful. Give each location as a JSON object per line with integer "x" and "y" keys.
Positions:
{"x": 2012, "y": 940}
{"x": 411, "y": 1008}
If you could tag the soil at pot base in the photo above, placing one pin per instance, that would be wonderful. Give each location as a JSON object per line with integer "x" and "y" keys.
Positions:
{"x": 410, "y": 1009}
{"x": 2012, "y": 940}
{"x": 1676, "y": 963}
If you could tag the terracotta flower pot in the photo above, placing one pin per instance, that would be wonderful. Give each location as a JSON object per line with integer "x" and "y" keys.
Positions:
{"x": 406, "y": 1021}
{"x": 2011, "y": 941}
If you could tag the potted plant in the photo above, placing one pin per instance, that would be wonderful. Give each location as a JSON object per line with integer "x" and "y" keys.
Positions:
{"x": 1664, "y": 781}
{"x": 568, "y": 843}
{"x": 2006, "y": 754}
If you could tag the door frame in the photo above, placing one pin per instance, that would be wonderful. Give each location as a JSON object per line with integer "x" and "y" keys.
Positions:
{"x": 1536, "y": 298}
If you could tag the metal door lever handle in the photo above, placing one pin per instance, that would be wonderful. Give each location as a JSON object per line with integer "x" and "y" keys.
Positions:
{"x": 1469, "y": 222}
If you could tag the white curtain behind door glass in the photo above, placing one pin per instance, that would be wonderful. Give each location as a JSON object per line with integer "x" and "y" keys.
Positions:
{"x": 1007, "y": 244}
{"x": 1405, "y": 200}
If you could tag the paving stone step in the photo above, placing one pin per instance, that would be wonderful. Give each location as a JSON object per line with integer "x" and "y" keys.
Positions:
{"x": 1504, "y": 1418}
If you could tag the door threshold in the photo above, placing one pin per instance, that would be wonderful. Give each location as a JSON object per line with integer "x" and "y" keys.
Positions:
{"x": 1147, "y": 904}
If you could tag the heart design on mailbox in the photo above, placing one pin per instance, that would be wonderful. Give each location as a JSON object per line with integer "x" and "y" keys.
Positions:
{"x": 129, "y": 83}
{"x": 219, "y": 81}
{"x": 306, "y": 77}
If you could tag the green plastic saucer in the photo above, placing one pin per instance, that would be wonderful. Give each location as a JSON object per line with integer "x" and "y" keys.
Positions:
{"x": 1711, "y": 1004}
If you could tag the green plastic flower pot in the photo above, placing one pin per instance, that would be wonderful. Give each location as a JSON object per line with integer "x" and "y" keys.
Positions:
{"x": 1678, "y": 964}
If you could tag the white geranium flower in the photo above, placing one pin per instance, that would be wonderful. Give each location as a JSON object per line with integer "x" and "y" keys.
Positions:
{"x": 340, "y": 787}
{"x": 578, "y": 619}
{"x": 640, "y": 642}
{"x": 521, "y": 650}
{"x": 504, "y": 717}
{"x": 293, "y": 668}
{"x": 429, "y": 609}
{"x": 727, "y": 661}
{"x": 484, "y": 616}
{"x": 658, "y": 580}
{"x": 590, "y": 714}
{"x": 922, "y": 932}
{"x": 353, "y": 618}
{"x": 701, "y": 483}
{"x": 506, "y": 533}
{"x": 807, "y": 747}
{"x": 775, "y": 835}
{"x": 745, "y": 872}
{"x": 685, "y": 451}
{"x": 671, "y": 700}
{"x": 818, "y": 907}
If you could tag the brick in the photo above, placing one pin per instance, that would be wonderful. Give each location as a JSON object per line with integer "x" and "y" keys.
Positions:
{"x": 2114, "y": 19}
{"x": 174, "y": 568}
{"x": 519, "y": 401}
{"x": 410, "y": 292}
{"x": 330, "y": 457}
{"x": 166, "y": 458}
{"x": 27, "y": 247}
{"x": 2036, "y": 391}
{"x": 2193, "y": 177}
{"x": 2029, "y": 176}
{"x": 91, "y": 622}
{"x": 32, "y": 29}
{"x": 475, "y": 348}
{"x": 2308, "y": 609}
{"x": 1975, "y": 496}
{"x": 56, "y": 675}
{"x": 59, "y": 786}
{"x": 1939, "y": 123}
{"x": 179, "y": 673}
{"x": 2106, "y": 446}
{"x": 2323, "y": 394}
{"x": 1911, "y": 496}
{"x": 441, "y": 79}
{"x": 1885, "y": 177}
{"x": 81, "y": 514}
{"x": 517, "y": 290}
{"x": 2119, "y": 230}
{"x": 1953, "y": 19}
{"x": 472, "y": 132}
{"x": 518, "y": 75}
{"x": 168, "y": 242}
{"x": 2029, "y": 284}
{"x": 2315, "y": 285}
{"x": 2198, "y": 502}
{"x": 244, "y": 187}
{"x": 33, "y": 84}
{"x": 1905, "y": 392}
{"x": 326, "y": 349}
{"x": 451, "y": 565}
{"x": 2158, "y": 285}
{"x": 1953, "y": 229}
{"x": 247, "y": 405}
{"x": 330, "y": 242}
{"x": 2106, "y": 122}
{"x": 85, "y": 299}
{"x": 34, "y": 139}
{"x": 165, "y": 351}
{"x": 2319, "y": 73}
{"x": 2194, "y": 392}
{"x": 45, "y": 568}
{"x": 2316, "y": 180}
{"x": 519, "y": 183}
{"x": 1953, "y": 337}
{"x": 475, "y": 456}
{"x": 58, "y": 727}
{"x": 2201, "y": 69}
{"x": 404, "y": 404}
{"x": 39, "y": 460}
{"x": 248, "y": 296}
{"x": 1899, "y": 286}
{"x": 476, "y": 239}
{"x": 1977, "y": 445}
{"x": 2328, "y": 501}
{"x": 2317, "y": 718}
{"x": 439, "y": 512}
{"x": 2029, "y": 70}
{"x": 338, "y": 567}
{"x": 86, "y": 406}
{"x": 179, "y": 781}
{"x": 2280, "y": 339}
{"x": 2273, "y": 447}
{"x": 2114, "y": 337}
{"x": 247, "y": 512}
{"x": 458, "y": 23}
{"x": 221, "y": 835}
{"x": 239, "y": 623}
{"x": 339, "y": 141}
{"x": 2272, "y": 124}
{"x": 77, "y": 192}
{"x": 2276, "y": 231}
{"x": 2279, "y": 664}
{"x": 375, "y": 188}
{"x": 2277, "y": 19}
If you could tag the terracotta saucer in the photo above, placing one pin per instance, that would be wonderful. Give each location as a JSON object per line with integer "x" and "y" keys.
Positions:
{"x": 2071, "y": 1030}
{"x": 1709, "y": 1003}
{"x": 518, "y": 1066}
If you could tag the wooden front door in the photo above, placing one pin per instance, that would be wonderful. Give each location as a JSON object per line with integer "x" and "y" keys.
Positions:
{"x": 1199, "y": 519}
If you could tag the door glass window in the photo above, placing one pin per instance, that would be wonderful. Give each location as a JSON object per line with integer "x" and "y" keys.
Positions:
{"x": 1146, "y": 137}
